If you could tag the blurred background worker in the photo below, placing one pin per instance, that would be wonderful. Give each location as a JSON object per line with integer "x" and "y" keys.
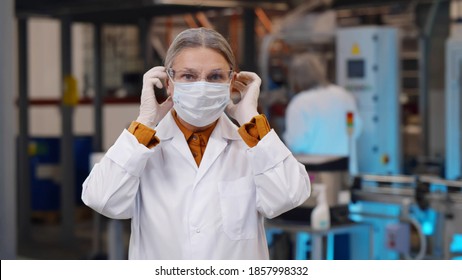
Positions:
{"x": 316, "y": 116}
{"x": 316, "y": 126}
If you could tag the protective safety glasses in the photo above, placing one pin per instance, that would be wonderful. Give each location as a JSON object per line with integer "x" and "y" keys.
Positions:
{"x": 218, "y": 76}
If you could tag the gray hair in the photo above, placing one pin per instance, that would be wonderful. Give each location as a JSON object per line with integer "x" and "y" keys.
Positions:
{"x": 306, "y": 72}
{"x": 200, "y": 37}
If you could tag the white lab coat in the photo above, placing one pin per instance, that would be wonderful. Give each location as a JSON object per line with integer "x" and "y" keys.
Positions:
{"x": 316, "y": 121}
{"x": 182, "y": 211}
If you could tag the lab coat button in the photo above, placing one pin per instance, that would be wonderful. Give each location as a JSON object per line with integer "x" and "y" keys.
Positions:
{"x": 198, "y": 230}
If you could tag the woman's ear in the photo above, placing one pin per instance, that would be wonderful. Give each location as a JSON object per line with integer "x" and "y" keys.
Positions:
{"x": 231, "y": 83}
{"x": 169, "y": 87}
{"x": 233, "y": 79}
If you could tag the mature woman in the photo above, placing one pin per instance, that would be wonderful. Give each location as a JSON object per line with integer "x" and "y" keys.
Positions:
{"x": 195, "y": 185}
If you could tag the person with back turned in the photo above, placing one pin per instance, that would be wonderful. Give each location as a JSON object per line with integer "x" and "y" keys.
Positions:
{"x": 316, "y": 117}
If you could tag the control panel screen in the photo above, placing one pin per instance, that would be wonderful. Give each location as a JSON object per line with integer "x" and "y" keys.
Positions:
{"x": 355, "y": 68}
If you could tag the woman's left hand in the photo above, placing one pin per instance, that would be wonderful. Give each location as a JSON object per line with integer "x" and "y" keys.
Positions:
{"x": 248, "y": 85}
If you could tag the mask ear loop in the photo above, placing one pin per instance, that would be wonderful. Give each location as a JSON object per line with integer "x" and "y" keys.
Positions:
{"x": 169, "y": 74}
{"x": 234, "y": 94}
{"x": 232, "y": 74}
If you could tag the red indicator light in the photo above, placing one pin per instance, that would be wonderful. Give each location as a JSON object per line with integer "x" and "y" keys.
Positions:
{"x": 350, "y": 119}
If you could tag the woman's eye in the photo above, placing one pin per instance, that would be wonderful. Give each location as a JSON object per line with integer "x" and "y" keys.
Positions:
{"x": 216, "y": 77}
{"x": 188, "y": 77}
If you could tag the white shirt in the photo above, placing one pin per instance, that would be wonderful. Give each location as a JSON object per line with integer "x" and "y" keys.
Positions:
{"x": 182, "y": 211}
{"x": 316, "y": 121}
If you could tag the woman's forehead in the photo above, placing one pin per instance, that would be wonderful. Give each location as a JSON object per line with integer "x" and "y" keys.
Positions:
{"x": 200, "y": 59}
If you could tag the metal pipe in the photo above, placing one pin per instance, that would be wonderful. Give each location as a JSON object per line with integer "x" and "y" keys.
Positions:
{"x": 67, "y": 142}
{"x": 374, "y": 215}
{"x": 145, "y": 48}
{"x": 98, "y": 98}
{"x": 389, "y": 191}
{"x": 24, "y": 201}
{"x": 381, "y": 197}
{"x": 440, "y": 181}
{"x": 98, "y": 124}
{"x": 249, "y": 61}
{"x": 8, "y": 228}
{"x": 401, "y": 179}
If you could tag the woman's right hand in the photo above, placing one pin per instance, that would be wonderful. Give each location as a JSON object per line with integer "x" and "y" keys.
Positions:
{"x": 248, "y": 85}
{"x": 151, "y": 112}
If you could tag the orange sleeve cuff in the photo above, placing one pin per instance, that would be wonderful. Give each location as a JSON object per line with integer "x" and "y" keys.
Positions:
{"x": 145, "y": 135}
{"x": 255, "y": 130}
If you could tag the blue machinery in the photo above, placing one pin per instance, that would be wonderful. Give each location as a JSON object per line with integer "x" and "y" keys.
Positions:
{"x": 416, "y": 195}
{"x": 367, "y": 66}
{"x": 394, "y": 206}
{"x": 429, "y": 207}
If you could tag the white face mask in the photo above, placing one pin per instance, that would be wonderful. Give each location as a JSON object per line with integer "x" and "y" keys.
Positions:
{"x": 200, "y": 103}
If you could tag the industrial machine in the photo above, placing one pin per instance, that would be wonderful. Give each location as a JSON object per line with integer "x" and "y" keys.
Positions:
{"x": 445, "y": 198}
{"x": 410, "y": 217}
{"x": 367, "y": 66}
{"x": 387, "y": 203}
{"x": 413, "y": 195}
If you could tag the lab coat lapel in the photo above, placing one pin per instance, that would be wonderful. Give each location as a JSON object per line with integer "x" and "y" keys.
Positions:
{"x": 179, "y": 143}
{"x": 167, "y": 129}
{"x": 219, "y": 139}
{"x": 215, "y": 147}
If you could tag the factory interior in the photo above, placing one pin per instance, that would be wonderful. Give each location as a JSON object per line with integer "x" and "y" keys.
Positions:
{"x": 71, "y": 74}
